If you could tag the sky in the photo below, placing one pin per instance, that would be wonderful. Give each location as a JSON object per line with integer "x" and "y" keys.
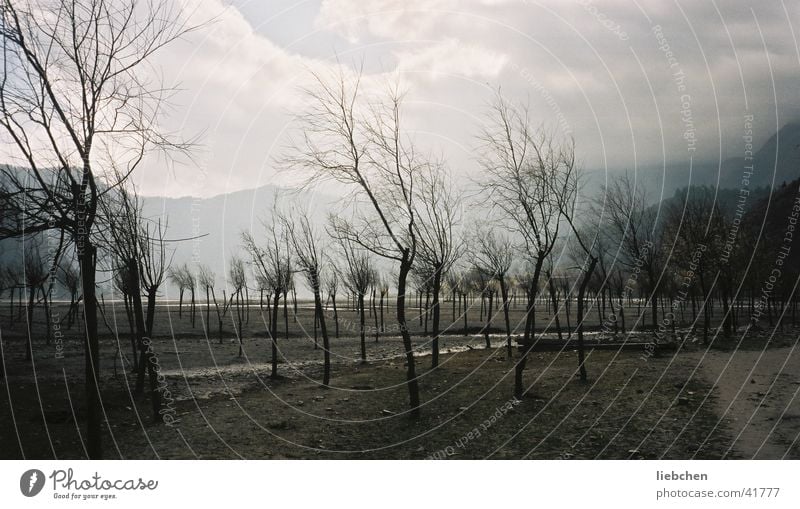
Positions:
{"x": 638, "y": 84}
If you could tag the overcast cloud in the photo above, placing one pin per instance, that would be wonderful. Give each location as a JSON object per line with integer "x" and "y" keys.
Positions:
{"x": 637, "y": 83}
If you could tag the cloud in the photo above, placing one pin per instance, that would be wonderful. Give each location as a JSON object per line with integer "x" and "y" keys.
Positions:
{"x": 451, "y": 57}
{"x": 386, "y": 19}
{"x": 618, "y": 94}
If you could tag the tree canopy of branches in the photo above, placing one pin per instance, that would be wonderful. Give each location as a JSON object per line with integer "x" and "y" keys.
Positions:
{"x": 357, "y": 275}
{"x": 634, "y": 227}
{"x": 438, "y": 214}
{"x": 692, "y": 225}
{"x": 306, "y": 245}
{"x": 237, "y": 276}
{"x": 493, "y": 255}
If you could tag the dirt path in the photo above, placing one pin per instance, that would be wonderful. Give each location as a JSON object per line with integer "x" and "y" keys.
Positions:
{"x": 757, "y": 398}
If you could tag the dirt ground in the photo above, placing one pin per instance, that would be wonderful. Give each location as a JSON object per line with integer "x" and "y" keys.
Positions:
{"x": 737, "y": 399}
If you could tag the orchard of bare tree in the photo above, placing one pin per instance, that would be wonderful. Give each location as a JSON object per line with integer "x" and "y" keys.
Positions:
{"x": 216, "y": 243}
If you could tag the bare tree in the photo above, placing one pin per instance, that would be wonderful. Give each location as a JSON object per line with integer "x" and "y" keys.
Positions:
{"x": 273, "y": 263}
{"x": 122, "y": 282}
{"x": 72, "y": 84}
{"x": 493, "y": 256}
{"x": 357, "y": 277}
{"x": 121, "y": 227}
{"x": 36, "y": 275}
{"x": 484, "y": 285}
{"x": 181, "y": 277}
{"x": 205, "y": 279}
{"x": 13, "y": 277}
{"x": 368, "y": 151}
{"x": 70, "y": 280}
{"x": 635, "y": 230}
{"x": 307, "y": 247}
{"x": 454, "y": 283}
{"x": 565, "y": 189}
{"x": 332, "y": 289}
{"x": 238, "y": 279}
{"x": 693, "y": 225}
{"x": 154, "y": 264}
{"x": 521, "y": 162}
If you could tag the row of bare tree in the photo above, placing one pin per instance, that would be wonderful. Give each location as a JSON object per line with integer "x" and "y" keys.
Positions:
{"x": 81, "y": 108}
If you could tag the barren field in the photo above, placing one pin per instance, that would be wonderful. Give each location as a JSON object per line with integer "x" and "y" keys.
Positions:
{"x": 736, "y": 399}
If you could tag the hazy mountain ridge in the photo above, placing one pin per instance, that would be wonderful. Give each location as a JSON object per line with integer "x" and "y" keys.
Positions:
{"x": 209, "y": 229}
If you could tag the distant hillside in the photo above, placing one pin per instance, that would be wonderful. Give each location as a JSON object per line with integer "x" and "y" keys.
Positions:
{"x": 728, "y": 199}
{"x": 779, "y": 155}
{"x": 208, "y": 230}
{"x": 215, "y": 224}
{"x": 777, "y": 219}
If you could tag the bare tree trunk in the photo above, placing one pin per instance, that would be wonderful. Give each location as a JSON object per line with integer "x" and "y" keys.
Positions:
{"x": 208, "y": 312}
{"x": 286, "y": 312}
{"x": 654, "y": 302}
{"x": 47, "y": 316}
{"x": 427, "y": 309}
{"x": 488, "y": 322}
{"x": 20, "y": 303}
{"x": 580, "y": 319}
{"x": 383, "y": 324}
{"x": 274, "y": 333}
{"x": 437, "y": 286}
{"x": 219, "y": 315}
{"x": 87, "y": 261}
{"x": 239, "y": 319}
{"x": 316, "y": 322}
{"x": 613, "y": 310}
{"x": 151, "y": 310}
{"x": 466, "y": 326}
{"x": 269, "y": 310}
{"x": 453, "y": 293}
{"x": 335, "y": 315}
{"x": 567, "y": 311}
{"x": 411, "y": 375}
{"x": 362, "y": 332}
{"x": 554, "y": 298}
{"x": 246, "y": 305}
{"x": 530, "y": 324}
{"x": 29, "y": 319}
{"x": 504, "y": 295}
{"x": 726, "y": 314}
{"x": 600, "y": 308}
{"x": 419, "y": 307}
{"x": 294, "y": 303}
{"x": 146, "y": 359}
{"x": 326, "y": 347}
{"x": 375, "y": 317}
{"x": 12, "y": 290}
{"x": 132, "y": 329}
{"x": 193, "y": 306}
